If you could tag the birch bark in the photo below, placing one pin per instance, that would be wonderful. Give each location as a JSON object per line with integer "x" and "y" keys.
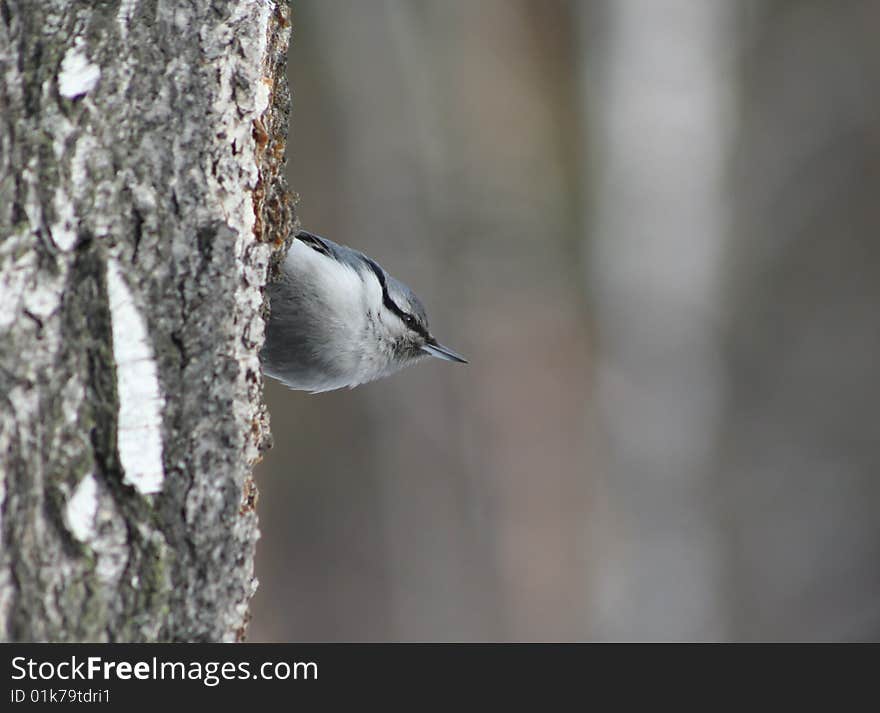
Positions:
{"x": 141, "y": 205}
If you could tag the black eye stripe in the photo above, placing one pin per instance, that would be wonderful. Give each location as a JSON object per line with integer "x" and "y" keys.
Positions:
{"x": 407, "y": 318}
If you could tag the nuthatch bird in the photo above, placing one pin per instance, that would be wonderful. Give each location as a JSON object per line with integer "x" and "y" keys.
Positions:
{"x": 338, "y": 319}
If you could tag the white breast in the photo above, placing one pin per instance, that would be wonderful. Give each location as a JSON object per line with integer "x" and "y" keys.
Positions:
{"x": 345, "y": 316}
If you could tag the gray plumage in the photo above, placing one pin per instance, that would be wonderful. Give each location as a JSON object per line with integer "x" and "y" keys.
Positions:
{"x": 338, "y": 319}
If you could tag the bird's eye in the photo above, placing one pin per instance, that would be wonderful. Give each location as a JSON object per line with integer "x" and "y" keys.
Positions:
{"x": 410, "y": 321}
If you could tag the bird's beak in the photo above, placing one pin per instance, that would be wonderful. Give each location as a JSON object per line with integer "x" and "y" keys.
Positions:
{"x": 441, "y": 352}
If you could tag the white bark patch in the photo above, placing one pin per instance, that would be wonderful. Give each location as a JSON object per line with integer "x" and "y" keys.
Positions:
{"x": 123, "y": 16}
{"x": 64, "y": 228}
{"x": 78, "y": 75}
{"x": 66, "y": 224}
{"x": 139, "y": 422}
{"x": 261, "y": 97}
{"x": 261, "y": 88}
{"x": 79, "y": 515}
{"x": 17, "y": 265}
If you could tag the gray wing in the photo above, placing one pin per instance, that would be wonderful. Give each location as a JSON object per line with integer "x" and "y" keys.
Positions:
{"x": 390, "y": 285}
{"x": 341, "y": 253}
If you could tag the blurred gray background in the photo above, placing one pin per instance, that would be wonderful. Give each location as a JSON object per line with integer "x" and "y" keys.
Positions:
{"x": 652, "y": 226}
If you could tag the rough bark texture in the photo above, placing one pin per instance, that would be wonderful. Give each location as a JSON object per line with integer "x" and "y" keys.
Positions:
{"x": 141, "y": 201}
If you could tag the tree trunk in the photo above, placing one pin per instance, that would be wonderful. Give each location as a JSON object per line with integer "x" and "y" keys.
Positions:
{"x": 657, "y": 230}
{"x": 141, "y": 203}
{"x": 797, "y": 466}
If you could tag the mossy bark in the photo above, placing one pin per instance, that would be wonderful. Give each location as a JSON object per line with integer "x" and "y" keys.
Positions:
{"x": 141, "y": 147}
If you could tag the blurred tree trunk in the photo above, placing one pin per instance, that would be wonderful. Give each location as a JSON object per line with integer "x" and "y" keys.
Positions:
{"x": 140, "y": 152}
{"x": 798, "y": 467}
{"x": 655, "y": 84}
